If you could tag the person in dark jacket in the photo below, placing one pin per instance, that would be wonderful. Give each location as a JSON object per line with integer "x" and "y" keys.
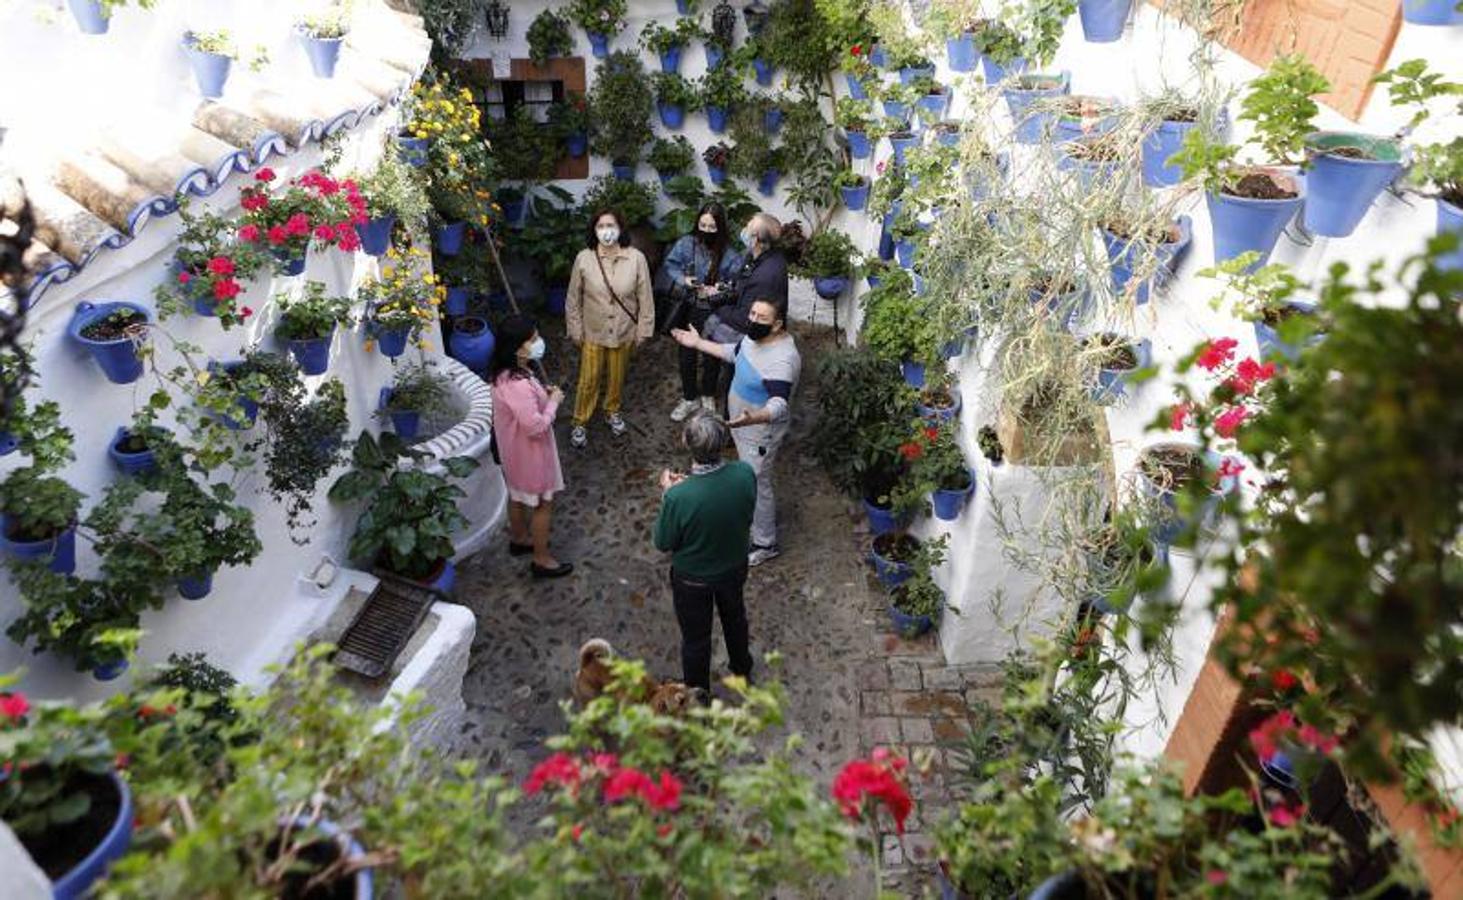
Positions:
{"x": 706, "y": 256}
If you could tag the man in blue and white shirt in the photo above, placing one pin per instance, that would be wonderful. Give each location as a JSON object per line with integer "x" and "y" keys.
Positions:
{"x": 767, "y": 366}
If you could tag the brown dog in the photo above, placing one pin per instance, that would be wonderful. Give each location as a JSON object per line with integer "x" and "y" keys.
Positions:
{"x": 668, "y": 698}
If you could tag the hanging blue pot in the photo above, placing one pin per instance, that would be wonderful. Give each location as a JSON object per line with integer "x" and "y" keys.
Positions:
{"x": 456, "y": 302}
{"x": 9, "y": 443}
{"x": 1158, "y": 147}
{"x": 902, "y": 144}
{"x": 772, "y": 119}
{"x": 767, "y": 184}
{"x": 762, "y": 70}
{"x": 1417, "y": 12}
{"x": 909, "y": 74}
{"x": 90, "y": 17}
{"x": 1073, "y": 127}
{"x": 128, "y": 462}
{"x": 449, "y": 238}
{"x": 195, "y": 587}
{"x": 665, "y": 180}
{"x": 683, "y": 7}
{"x": 1030, "y": 126}
{"x": 404, "y": 422}
{"x": 375, "y": 235}
{"x": 1126, "y": 255}
{"x": 471, "y": 342}
{"x": 248, "y": 407}
{"x": 554, "y": 297}
{"x": 716, "y": 173}
{"x": 77, "y": 881}
{"x": 210, "y": 70}
{"x": 313, "y": 354}
{"x": 289, "y": 262}
{"x": 1339, "y": 189}
{"x": 891, "y": 572}
{"x": 935, "y": 105}
{"x": 832, "y": 287}
{"x": 60, "y": 548}
{"x": 577, "y": 144}
{"x": 714, "y": 55}
{"x": 855, "y": 198}
{"x": 961, "y": 54}
{"x": 109, "y": 671}
{"x": 948, "y": 503}
{"x": 942, "y": 413}
{"x": 859, "y": 145}
{"x": 513, "y": 210}
{"x": 904, "y": 252}
{"x": 716, "y": 119}
{"x": 1090, "y": 171}
{"x": 897, "y": 110}
{"x": 324, "y": 53}
{"x": 670, "y": 60}
{"x": 856, "y": 88}
{"x": 996, "y": 72}
{"x": 913, "y": 372}
{"x": 117, "y": 355}
{"x": 413, "y": 150}
{"x": 390, "y": 341}
{"x": 1268, "y": 339}
{"x": 623, "y": 172}
{"x": 599, "y": 44}
{"x": 949, "y": 137}
{"x": 1111, "y": 382}
{"x": 980, "y": 181}
{"x": 672, "y": 117}
{"x": 879, "y": 57}
{"x": 1103, "y": 20}
{"x": 1450, "y": 219}
{"x": 1242, "y": 224}
{"x": 908, "y": 626}
{"x": 1060, "y": 887}
{"x": 881, "y": 518}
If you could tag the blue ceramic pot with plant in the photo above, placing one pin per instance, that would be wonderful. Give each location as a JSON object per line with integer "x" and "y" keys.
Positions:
{"x": 1120, "y": 358}
{"x": 940, "y": 413}
{"x": 210, "y": 70}
{"x": 60, "y": 548}
{"x": 879, "y": 57}
{"x": 949, "y": 502}
{"x": 902, "y": 142}
{"x": 996, "y": 72}
{"x": 897, "y": 110}
{"x": 831, "y": 287}
{"x": 904, "y": 252}
{"x": 471, "y": 342}
{"x": 716, "y": 173}
{"x": 195, "y": 587}
{"x": 77, "y": 882}
{"x": 856, "y": 88}
{"x": 577, "y": 144}
{"x": 1243, "y": 224}
{"x": 888, "y": 554}
{"x": 855, "y": 198}
{"x": 913, "y": 372}
{"x": 414, "y": 150}
{"x": 9, "y": 443}
{"x": 1158, "y": 147}
{"x": 449, "y": 238}
{"x": 960, "y": 53}
{"x": 1347, "y": 173}
{"x": 623, "y": 171}
{"x": 859, "y": 145}
{"x": 514, "y": 206}
{"x": 1126, "y": 255}
{"x": 767, "y": 184}
{"x": 247, "y": 407}
{"x": 90, "y": 16}
{"x": 599, "y": 44}
{"x": 375, "y": 235}
{"x": 130, "y": 456}
{"x": 290, "y": 262}
{"x": 714, "y": 56}
{"x": 313, "y": 354}
{"x": 881, "y": 518}
{"x": 1103, "y": 21}
{"x": 910, "y": 74}
{"x": 907, "y": 625}
{"x": 109, "y": 671}
{"x": 1420, "y": 12}
{"x": 716, "y": 118}
{"x": 112, "y": 332}
{"x": 1026, "y": 93}
{"x": 390, "y": 341}
{"x": 1269, "y": 325}
{"x": 762, "y": 69}
{"x": 671, "y": 116}
{"x": 455, "y": 303}
{"x": 670, "y": 60}
{"x": 324, "y": 53}
{"x": 405, "y": 422}
{"x": 443, "y": 579}
{"x": 935, "y": 104}
{"x": 772, "y": 119}
{"x": 1450, "y": 219}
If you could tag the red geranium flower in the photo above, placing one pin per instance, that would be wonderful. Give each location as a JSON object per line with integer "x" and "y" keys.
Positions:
{"x": 221, "y": 265}
{"x": 277, "y": 235}
{"x": 604, "y": 762}
{"x": 1216, "y": 877}
{"x": 1216, "y": 353}
{"x": 325, "y": 232}
{"x": 1229, "y": 467}
{"x": 664, "y": 794}
{"x": 1178, "y": 416}
{"x": 225, "y": 289}
{"x": 264, "y": 174}
{"x": 13, "y": 706}
{"x": 626, "y": 783}
{"x": 1267, "y": 737}
{"x": 245, "y": 313}
{"x": 349, "y": 242}
{"x": 249, "y": 233}
{"x": 1248, "y": 375}
{"x": 1229, "y": 421}
{"x": 872, "y": 779}
{"x": 184, "y": 277}
{"x": 857, "y": 49}
{"x": 932, "y": 434}
{"x": 1286, "y": 816}
{"x": 560, "y": 769}
{"x": 297, "y": 224}
{"x": 911, "y": 451}
{"x": 1282, "y": 680}
{"x": 253, "y": 202}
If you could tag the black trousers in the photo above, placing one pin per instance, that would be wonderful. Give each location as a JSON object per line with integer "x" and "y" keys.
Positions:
{"x": 695, "y": 601}
{"x": 709, "y": 380}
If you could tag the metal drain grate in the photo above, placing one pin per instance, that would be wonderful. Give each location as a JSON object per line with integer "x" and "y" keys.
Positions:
{"x": 383, "y": 625}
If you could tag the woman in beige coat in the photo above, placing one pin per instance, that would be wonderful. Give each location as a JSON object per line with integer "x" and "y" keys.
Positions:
{"x": 608, "y": 311}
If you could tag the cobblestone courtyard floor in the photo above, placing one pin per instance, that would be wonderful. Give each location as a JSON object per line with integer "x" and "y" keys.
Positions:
{"x": 852, "y": 685}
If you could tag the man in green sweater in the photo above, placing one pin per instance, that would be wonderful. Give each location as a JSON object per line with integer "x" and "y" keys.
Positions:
{"x": 705, "y": 522}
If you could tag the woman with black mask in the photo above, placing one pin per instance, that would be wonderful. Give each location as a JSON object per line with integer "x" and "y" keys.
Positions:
{"x": 703, "y": 257}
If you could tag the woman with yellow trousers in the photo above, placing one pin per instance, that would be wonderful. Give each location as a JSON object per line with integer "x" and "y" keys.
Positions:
{"x": 608, "y": 311}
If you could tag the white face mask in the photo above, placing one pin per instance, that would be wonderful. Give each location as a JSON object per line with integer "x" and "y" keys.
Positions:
{"x": 747, "y": 238}
{"x": 536, "y": 348}
{"x": 607, "y": 234}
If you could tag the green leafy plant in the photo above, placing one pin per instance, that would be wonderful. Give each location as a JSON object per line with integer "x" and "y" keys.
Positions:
{"x": 394, "y": 188}
{"x": 723, "y": 87}
{"x": 313, "y": 315}
{"x": 410, "y": 514}
{"x": 801, "y": 40}
{"x": 1436, "y": 166}
{"x": 91, "y": 622}
{"x": 419, "y": 388}
{"x": 571, "y": 117}
{"x": 209, "y": 264}
{"x": 634, "y": 200}
{"x": 605, "y": 17}
{"x": 658, "y": 39}
{"x": 673, "y": 90}
{"x": 449, "y": 23}
{"x": 895, "y": 326}
{"x": 860, "y": 426}
{"x": 828, "y": 254}
{"x": 690, "y": 194}
{"x": 526, "y": 150}
{"x": 622, "y": 104}
{"x": 848, "y": 178}
{"x": 548, "y": 36}
{"x": 754, "y": 151}
{"x": 37, "y": 505}
{"x": 934, "y": 462}
{"x": 550, "y": 238}
{"x": 919, "y": 595}
{"x": 330, "y": 24}
{"x": 672, "y": 156}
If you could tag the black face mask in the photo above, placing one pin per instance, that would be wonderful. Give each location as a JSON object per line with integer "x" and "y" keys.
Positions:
{"x": 706, "y": 237}
{"x": 758, "y": 330}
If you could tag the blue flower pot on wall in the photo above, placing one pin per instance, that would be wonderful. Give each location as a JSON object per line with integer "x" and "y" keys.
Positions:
{"x": 772, "y": 119}
{"x": 599, "y": 44}
{"x": 78, "y": 880}
{"x": 1111, "y": 383}
{"x": 248, "y": 407}
{"x": 767, "y": 184}
{"x": 195, "y": 587}
{"x": 881, "y": 518}
{"x": 456, "y": 301}
{"x": 445, "y": 578}
{"x": 995, "y": 72}
{"x": 909, "y": 626}
{"x": 210, "y": 70}
{"x": 1267, "y": 338}
{"x": 670, "y": 60}
{"x": 948, "y": 504}
{"x": 60, "y": 548}
{"x": 554, "y": 297}
{"x": 324, "y": 53}
{"x": 115, "y": 353}
{"x": 716, "y": 173}
{"x": 413, "y": 150}
{"x": 1242, "y": 224}
{"x": 513, "y": 210}
{"x": 891, "y": 572}
{"x": 714, "y": 56}
{"x": 878, "y": 56}
{"x": 935, "y": 104}
{"x": 902, "y": 144}
{"x": 1416, "y": 12}
{"x": 910, "y": 74}
{"x": 896, "y": 110}
{"x": 623, "y": 171}
{"x": 904, "y": 252}
{"x": 855, "y": 198}
{"x": 1031, "y": 125}
{"x": 716, "y": 119}
{"x": 1089, "y": 172}
{"x": 449, "y": 238}
{"x": 942, "y": 413}
{"x": 859, "y": 145}
{"x": 683, "y": 7}
{"x": 406, "y": 423}
{"x": 672, "y": 117}
{"x": 1161, "y": 144}
{"x": 9, "y": 443}
{"x": 1339, "y": 189}
{"x": 290, "y": 264}
{"x": 129, "y": 462}
{"x": 577, "y": 144}
{"x": 313, "y": 354}
{"x": 1126, "y": 256}
{"x": 109, "y": 671}
{"x": 961, "y": 54}
{"x": 830, "y": 288}
{"x": 762, "y": 70}
{"x": 856, "y": 88}
{"x": 391, "y": 341}
{"x": 90, "y": 17}
{"x": 1103, "y": 20}
{"x": 471, "y": 342}
{"x": 375, "y": 235}
{"x": 1450, "y": 219}
{"x": 913, "y": 372}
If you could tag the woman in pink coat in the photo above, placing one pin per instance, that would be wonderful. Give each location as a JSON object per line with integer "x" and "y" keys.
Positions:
{"x": 523, "y": 425}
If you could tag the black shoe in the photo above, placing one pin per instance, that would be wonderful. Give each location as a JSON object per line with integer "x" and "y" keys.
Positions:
{"x": 559, "y": 571}
{"x": 519, "y": 549}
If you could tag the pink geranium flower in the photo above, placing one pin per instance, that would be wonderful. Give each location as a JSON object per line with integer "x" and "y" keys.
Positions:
{"x": 1216, "y": 353}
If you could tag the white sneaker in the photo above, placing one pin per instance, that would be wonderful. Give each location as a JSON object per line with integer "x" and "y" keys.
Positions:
{"x": 684, "y": 409}
{"x": 760, "y": 555}
{"x": 578, "y": 437}
{"x": 617, "y": 424}
{"x": 709, "y": 404}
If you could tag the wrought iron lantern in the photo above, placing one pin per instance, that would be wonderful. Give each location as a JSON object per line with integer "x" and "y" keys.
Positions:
{"x": 723, "y": 23}
{"x": 497, "y": 18}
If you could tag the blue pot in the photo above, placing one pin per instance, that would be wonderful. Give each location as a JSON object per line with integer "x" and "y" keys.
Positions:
{"x": 716, "y": 119}
{"x": 456, "y": 301}
{"x": 913, "y": 372}
{"x": 554, "y": 297}
{"x": 948, "y": 138}
{"x": 901, "y": 145}
{"x": 855, "y": 198}
{"x": 117, "y": 356}
{"x": 1030, "y": 126}
{"x": 513, "y": 210}
{"x": 599, "y": 44}
{"x": 9, "y": 443}
{"x": 886, "y": 244}
{"x": 772, "y": 119}
{"x": 1280, "y": 770}
{"x": 672, "y": 117}
{"x": 1340, "y": 191}
{"x": 324, "y": 53}
{"x": 623, "y": 172}
{"x": 449, "y": 238}
{"x": 762, "y": 70}
{"x": 881, "y": 519}
{"x": 1268, "y": 339}
{"x": 909, "y": 626}
{"x": 683, "y": 7}
{"x": 413, "y": 150}
{"x": 961, "y": 54}
{"x": 90, "y": 16}
{"x": 890, "y": 572}
{"x": 767, "y": 184}
{"x": 670, "y": 60}
{"x": 897, "y": 110}
{"x": 941, "y": 414}
{"x": 879, "y": 57}
{"x": 909, "y": 74}
{"x": 904, "y": 252}
{"x": 831, "y": 288}
{"x": 211, "y": 70}
{"x": 980, "y": 185}
{"x": 717, "y": 173}
{"x": 406, "y": 423}
{"x": 1060, "y": 887}
{"x": 288, "y": 263}
{"x": 714, "y": 56}
{"x": 953, "y": 348}
{"x": 996, "y": 72}
{"x": 110, "y": 671}
{"x": 1242, "y": 224}
{"x": 471, "y": 343}
{"x": 859, "y": 145}
{"x": 60, "y": 549}
{"x": 139, "y": 463}
{"x": 948, "y": 504}
{"x": 856, "y": 88}
{"x": 392, "y": 342}
{"x": 935, "y": 105}
{"x": 1158, "y": 147}
{"x": 195, "y": 587}
{"x": 248, "y": 406}
{"x": 1450, "y": 219}
{"x": 1111, "y": 383}
{"x": 446, "y": 579}
{"x": 1090, "y": 172}
{"x": 577, "y": 145}
{"x": 77, "y": 882}
{"x": 1071, "y": 128}
{"x": 1103, "y": 20}
{"x": 1125, "y": 256}
{"x": 375, "y": 235}
{"x": 1417, "y": 12}
{"x": 873, "y": 281}
{"x": 313, "y": 354}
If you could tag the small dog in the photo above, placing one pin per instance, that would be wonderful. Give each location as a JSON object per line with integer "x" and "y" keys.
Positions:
{"x": 593, "y": 679}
